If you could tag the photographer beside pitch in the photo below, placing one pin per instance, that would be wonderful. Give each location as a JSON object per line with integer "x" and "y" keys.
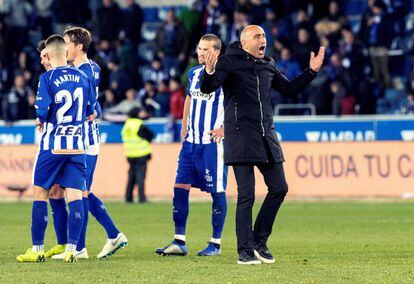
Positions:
{"x": 247, "y": 77}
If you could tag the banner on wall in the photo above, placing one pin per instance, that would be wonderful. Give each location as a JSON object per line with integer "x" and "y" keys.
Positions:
{"x": 288, "y": 129}
{"x": 375, "y": 169}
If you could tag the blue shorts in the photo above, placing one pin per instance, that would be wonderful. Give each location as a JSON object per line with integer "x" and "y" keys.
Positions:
{"x": 202, "y": 166}
{"x": 90, "y": 169}
{"x": 69, "y": 170}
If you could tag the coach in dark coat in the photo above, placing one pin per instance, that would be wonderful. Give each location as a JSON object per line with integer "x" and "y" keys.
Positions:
{"x": 247, "y": 77}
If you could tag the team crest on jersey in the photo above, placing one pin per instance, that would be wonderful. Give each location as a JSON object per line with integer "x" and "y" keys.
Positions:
{"x": 69, "y": 130}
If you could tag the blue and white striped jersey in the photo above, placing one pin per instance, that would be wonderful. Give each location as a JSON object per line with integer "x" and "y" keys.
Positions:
{"x": 65, "y": 97}
{"x": 93, "y": 71}
{"x": 206, "y": 110}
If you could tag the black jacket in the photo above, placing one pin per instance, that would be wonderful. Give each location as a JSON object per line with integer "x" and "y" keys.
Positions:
{"x": 248, "y": 115}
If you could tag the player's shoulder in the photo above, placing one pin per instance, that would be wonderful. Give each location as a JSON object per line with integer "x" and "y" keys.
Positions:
{"x": 95, "y": 66}
{"x": 193, "y": 70}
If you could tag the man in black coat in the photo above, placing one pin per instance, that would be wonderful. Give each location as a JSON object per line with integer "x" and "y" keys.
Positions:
{"x": 247, "y": 77}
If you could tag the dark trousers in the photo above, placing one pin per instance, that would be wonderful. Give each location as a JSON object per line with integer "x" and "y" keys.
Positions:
{"x": 274, "y": 177}
{"x": 136, "y": 175}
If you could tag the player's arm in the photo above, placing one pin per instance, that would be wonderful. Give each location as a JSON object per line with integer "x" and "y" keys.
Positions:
{"x": 187, "y": 103}
{"x": 43, "y": 101}
{"x": 215, "y": 72}
{"x": 90, "y": 109}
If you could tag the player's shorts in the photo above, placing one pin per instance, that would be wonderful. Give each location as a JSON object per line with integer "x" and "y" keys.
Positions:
{"x": 202, "y": 166}
{"x": 90, "y": 169}
{"x": 69, "y": 170}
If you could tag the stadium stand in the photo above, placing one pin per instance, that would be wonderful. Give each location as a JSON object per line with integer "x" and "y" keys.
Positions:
{"x": 130, "y": 50}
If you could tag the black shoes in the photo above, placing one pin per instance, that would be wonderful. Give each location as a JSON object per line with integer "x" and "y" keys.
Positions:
{"x": 248, "y": 258}
{"x": 263, "y": 254}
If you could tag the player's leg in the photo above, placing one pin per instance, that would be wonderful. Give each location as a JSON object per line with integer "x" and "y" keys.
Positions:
{"x": 215, "y": 176}
{"x": 60, "y": 220}
{"x": 73, "y": 178}
{"x": 186, "y": 174}
{"x": 45, "y": 172}
{"x": 116, "y": 239}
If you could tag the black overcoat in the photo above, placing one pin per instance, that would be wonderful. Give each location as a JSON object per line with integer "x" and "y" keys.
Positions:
{"x": 247, "y": 81}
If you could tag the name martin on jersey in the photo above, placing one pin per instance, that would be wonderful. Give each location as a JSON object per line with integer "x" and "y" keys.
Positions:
{"x": 66, "y": 78}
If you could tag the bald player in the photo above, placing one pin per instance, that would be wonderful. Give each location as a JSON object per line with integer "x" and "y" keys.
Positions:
{"x": 247, "y": 77}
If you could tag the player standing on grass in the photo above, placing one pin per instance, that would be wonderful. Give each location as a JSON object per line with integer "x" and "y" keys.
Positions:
{"x": 78, "y": 40}
{"x": 200, "y": 162}
{"x": 64, "y": 99}
{"x": 56, "y": 194}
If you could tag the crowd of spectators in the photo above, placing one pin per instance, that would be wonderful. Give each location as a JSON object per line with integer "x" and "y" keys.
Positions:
{"x": 356, "y": 77}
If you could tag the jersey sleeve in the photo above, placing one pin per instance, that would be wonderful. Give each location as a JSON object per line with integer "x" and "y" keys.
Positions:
{"x": 91, "y": 99}
{"x": 190, "y": 77}
{"x": 43, "y": 99}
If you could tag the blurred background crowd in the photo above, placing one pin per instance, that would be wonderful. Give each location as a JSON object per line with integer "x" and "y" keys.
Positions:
{"x": 146, "y": 52}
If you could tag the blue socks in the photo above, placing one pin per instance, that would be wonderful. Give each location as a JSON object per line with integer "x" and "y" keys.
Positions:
{"x": 218, "y": 215}
{"x": 60, "y": 220}
{"x": 39, "y": 222}
{"x": 180, "y": 212}
{"x": 82, "y": 237}
{"x": 98, "y": 210}
{"x": 75, "y": 221}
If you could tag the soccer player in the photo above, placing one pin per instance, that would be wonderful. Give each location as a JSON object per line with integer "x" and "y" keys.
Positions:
{"x": 78, "y": 40}
{"x": 64, "y": 99}
{"x": 56, "y": 194}
{"x": 200, "y": 162}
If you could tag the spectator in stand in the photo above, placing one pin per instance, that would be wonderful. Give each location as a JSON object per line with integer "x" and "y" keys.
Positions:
{"x": 177, "y": 98}
{"x": 342, "y": 103}
{"x": 240, "y": 21}
{"x": 25, "y": 67}
{"x": 4, "y": 78}
{"x": 153, "y": 72}
{"x": 108, "y": 21}
{"x": 337, "y": 72}
{"x": 109, "y": 97}
{"x": 377, "y": 33}
{"x": 147, "y": 98}
{"x": 127, "y": 104}
{"x": 407, "y": 106}
{"x": 288, "y": 65}
{"x": 31, "y": 110}
{"x": 163, "y": 97}
{"x": 15, "y": 103}
{"x": 302, "y": 46}
{"x": 44, "y": 15}
{"x": 332, "y": 24}
{"x": 119, "y": 80}
{"x": 171, "y": 43}
{"x": 190, "y": 18}
{"x": 66, "y": 12}
{"x": 211, "y": 21}
{"x": 257, "y": 12}
{"x": 18, "y": 25}
{"x": 274, "y": 28}
{"x": 131, "y": 23}
{"x": 225, "y": 29}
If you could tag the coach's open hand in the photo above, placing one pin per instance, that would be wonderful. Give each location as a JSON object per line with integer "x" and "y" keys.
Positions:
{"x": 217, "y": 135}
{"x": 211, "y": 60}
{"x": 315, "y": 62}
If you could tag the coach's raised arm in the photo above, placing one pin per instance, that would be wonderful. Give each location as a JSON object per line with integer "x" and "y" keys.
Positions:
{"x": 247, "y": 77}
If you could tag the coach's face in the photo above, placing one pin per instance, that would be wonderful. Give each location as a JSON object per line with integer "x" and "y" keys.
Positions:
{"x": 253, "y": 41}
{"x": 203, "y": 47}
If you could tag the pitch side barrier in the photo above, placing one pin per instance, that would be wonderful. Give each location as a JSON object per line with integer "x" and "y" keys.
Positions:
{"x": 288, "y": 129}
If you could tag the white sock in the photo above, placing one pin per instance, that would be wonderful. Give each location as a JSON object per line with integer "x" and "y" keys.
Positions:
{"x": 216, "y": 241}
{"x": 37, "y": 248}
{"x": 70, "y": 248}
{"x": 179, "y": 237}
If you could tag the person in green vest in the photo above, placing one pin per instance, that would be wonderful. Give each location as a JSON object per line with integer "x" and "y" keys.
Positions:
{"x": 136, "y": 138}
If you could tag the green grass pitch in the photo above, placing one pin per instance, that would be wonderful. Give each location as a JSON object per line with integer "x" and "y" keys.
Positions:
{"x": 313, "y": 242}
